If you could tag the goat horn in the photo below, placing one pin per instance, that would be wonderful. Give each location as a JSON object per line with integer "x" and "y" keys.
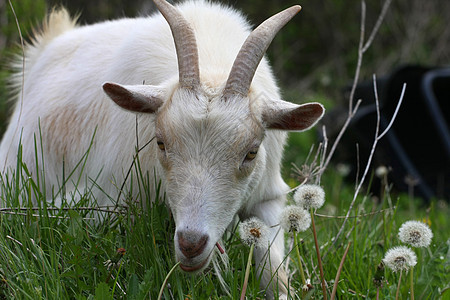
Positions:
{"x": 185, "y": 44}
{"x": 252, "y": 51}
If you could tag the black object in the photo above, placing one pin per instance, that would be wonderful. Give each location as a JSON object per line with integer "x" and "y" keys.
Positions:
{"x": 418, "y": 144}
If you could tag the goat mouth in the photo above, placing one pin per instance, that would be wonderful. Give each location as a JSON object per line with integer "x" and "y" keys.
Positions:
{"x": 197, "y": 267}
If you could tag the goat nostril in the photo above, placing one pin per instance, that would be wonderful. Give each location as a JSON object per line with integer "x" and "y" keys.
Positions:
{"x": 191, "y": 243}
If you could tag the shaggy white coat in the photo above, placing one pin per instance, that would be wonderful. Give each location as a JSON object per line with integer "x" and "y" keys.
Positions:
{"x": 203, "y": 170}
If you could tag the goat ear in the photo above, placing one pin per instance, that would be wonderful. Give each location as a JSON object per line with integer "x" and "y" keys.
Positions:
{"x": 292, "y": 117}
{"x": 137, "y": 98}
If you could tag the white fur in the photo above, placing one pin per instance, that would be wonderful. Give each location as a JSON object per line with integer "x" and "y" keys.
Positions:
{"x": 206, "y": 139}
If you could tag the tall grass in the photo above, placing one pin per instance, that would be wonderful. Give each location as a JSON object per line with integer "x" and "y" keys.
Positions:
{"x": 71, "y": 251}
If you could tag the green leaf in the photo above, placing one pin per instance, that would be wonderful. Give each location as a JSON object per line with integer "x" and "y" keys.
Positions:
{"x": 146, "y": 285}
{"x": 446, "y": 294}
{"x": 133, "y": 287}
{"x": 75, "y": 225}
{"x": 102, "y": 292}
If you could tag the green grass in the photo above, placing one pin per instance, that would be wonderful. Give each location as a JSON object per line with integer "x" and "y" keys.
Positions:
{"x": 61, "y": 253}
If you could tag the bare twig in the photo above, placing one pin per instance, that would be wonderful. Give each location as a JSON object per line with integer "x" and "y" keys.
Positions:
{"x": 352, "y": 108}
{"x": 20, "y": 211}
{"x": 372, "y": 151}
{"x": 19, "y": 243}
{"x": 360, "y": 58}
{"x": 358, "y": 165}
{"x": 33, "y": 215}
{"x": 375, "y": 29}
{"x": 107, "y": 209}
{"x": 357, "y": 216}
{"x": 323, "y": 157}
{"x": 393, "y": 116}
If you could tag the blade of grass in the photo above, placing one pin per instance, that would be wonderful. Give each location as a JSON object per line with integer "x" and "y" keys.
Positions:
{"x": 167, "y": 279}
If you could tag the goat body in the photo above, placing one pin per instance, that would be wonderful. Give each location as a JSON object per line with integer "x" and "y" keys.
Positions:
{"x": 217, "y": 130}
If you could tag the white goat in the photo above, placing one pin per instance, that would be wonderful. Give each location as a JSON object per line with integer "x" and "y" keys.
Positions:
{"x": 217, "y": 119}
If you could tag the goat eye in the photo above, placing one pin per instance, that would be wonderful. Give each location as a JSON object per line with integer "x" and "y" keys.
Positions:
{"x": 251, "y": 155}
{"x": 161, "y": 145}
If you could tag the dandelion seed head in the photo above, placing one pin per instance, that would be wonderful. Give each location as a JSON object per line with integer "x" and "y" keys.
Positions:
{"x": 415, "y": 233}
{"x": 295, "y": 218}
{"x": 309, "y": 196}
{"x": 307, "y": 286}
{"x": 254, "y": 231}
{"x": 343, "y": 169}
{"x": 381, "y": 171}
{"x": 400, "y": 258}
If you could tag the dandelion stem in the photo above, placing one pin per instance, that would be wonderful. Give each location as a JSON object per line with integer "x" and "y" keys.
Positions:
{"x": 398, "y": 286}
{"x": 319, "y": 260}
{"x": 302, "y": 273}
{"x": 247, "y": 271}
{"x": 167, "y": 279}
{"x": 411, "y": 277}
{"x": 338, "y": 273}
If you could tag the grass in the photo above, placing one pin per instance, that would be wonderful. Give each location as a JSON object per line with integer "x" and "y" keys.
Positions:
{"x": 60, "y": 253}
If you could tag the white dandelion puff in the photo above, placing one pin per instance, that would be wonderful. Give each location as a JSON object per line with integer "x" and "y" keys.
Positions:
{"x": 415, "y": 233}
{"x": 381, "y": 171}
{"x": 254, "y": 231}
{"x": 307, "y": 286}
{"x": 400, "y": 258}
{"x": 295, "y": 218}
{"x": 309, "y": 196}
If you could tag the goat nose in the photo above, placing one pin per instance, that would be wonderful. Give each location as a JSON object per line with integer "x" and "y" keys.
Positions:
{"x": 191, "y": 243}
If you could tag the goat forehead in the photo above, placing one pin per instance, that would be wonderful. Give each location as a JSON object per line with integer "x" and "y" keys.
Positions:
{"x": 210, "y": 120}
